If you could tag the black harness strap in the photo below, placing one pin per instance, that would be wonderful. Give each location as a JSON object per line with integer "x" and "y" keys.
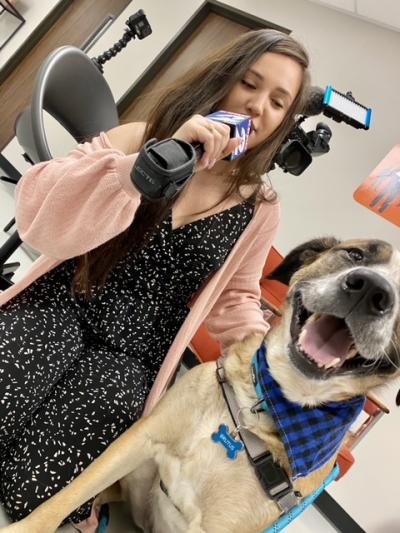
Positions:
{"x": 273, "y": 478}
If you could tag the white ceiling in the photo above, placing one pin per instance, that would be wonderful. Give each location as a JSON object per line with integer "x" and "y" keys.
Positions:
{"x": 385, "y": 13}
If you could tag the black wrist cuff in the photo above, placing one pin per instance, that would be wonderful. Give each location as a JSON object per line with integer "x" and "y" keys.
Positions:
{"x": 163, "y": 168}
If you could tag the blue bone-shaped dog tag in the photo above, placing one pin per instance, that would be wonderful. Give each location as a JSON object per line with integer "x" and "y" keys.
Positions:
{"x": 233, "y": 447}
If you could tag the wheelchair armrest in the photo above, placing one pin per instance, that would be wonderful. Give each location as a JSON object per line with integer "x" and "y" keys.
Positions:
{"x": 345, "y": 460}
{"x": 374, "y": 409}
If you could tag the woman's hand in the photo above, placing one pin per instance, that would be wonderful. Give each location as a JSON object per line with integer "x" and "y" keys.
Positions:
{"x": 214, "y": 136}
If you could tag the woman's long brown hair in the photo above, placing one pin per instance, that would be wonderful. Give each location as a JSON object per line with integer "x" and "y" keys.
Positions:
{"x": 199, "y": 91}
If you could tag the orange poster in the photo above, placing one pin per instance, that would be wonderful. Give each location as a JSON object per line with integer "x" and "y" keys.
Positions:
{"x": 380, "y": 192}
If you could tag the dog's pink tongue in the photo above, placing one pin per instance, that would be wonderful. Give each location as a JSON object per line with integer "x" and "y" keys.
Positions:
{"x": 327, "y": 338}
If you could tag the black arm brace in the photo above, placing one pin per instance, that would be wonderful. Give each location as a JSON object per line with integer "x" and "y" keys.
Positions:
{"x": 163, "y": 168}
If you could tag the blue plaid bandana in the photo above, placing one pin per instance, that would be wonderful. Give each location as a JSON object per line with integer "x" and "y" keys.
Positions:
{"x": 311, "y": 436}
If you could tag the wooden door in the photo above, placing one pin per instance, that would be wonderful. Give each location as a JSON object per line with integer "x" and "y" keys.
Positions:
{"x": 214, "y": 32}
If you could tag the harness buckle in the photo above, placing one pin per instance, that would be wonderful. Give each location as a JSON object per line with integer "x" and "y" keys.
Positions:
{"x": 275, "y": 482}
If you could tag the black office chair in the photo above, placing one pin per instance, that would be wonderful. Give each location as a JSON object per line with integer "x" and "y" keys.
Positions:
{"x": 71, "y": 88}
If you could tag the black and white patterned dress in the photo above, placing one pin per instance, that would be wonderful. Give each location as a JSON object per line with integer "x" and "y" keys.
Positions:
{"x": 75, "y": 374}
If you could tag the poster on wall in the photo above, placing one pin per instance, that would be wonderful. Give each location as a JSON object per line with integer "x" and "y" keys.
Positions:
{"x": 380, "y": 192}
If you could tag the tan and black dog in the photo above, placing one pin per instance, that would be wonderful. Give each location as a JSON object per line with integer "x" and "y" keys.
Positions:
{"x": 338, "y": 339}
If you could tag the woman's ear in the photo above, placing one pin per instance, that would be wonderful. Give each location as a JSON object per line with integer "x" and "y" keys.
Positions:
{"x": 302, "y": 255}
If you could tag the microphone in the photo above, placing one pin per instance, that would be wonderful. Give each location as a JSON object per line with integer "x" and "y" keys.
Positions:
{"x": 239, "y": 125}
{"x": 163, "y": 168}
{"x": 315, "y": 102}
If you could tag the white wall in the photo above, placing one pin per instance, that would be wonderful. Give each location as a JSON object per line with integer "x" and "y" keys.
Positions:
{"x": 349, "y": 54}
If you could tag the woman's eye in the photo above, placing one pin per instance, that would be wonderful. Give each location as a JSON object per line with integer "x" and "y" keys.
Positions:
{"x": 277, "y": 103}
{"x": 248, "y": 84}
{"x": 355, "y": 254}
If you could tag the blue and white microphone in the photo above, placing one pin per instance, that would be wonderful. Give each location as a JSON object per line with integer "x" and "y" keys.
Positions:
{"x": 240, "y": 127}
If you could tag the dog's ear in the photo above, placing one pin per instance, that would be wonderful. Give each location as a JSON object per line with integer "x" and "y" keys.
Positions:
{"x": 302, "y": 255}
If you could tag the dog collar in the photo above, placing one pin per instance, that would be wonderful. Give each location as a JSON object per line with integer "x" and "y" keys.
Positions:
{"x": 272, "y": 477}
{"x": 311, "y": 436}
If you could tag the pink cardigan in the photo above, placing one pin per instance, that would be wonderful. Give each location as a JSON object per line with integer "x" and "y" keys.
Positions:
{"x": 68, "y": 206}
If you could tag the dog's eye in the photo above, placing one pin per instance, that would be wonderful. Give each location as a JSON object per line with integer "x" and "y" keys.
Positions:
{"x": 355, "y": 254}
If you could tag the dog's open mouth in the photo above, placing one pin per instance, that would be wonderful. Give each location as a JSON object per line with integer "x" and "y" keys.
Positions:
{"x": 323, "y": 345}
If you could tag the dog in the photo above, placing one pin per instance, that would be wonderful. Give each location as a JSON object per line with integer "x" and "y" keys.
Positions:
{"x": 336, "y": 341}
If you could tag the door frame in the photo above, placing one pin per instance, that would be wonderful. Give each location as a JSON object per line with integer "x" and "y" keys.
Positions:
{"x": 208, "y": 7}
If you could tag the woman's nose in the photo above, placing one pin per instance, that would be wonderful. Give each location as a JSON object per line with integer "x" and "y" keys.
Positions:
{"x": 256, "y": 105}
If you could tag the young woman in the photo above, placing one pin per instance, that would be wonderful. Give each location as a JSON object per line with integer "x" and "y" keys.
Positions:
{"x": 123, "y": 284}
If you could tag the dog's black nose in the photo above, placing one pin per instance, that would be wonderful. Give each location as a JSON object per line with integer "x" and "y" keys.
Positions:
{"x": 368, "y": 291}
